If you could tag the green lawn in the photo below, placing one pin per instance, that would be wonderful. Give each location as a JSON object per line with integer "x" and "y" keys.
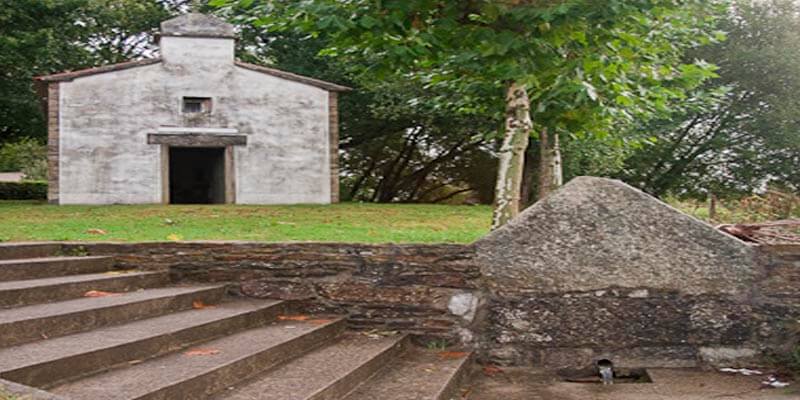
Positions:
{"x": 347, "y": 222}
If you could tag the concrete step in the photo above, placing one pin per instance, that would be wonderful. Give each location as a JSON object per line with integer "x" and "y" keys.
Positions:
{"x": 326, "y": 373}
{"x": 217, "y": 365}
{"x": 418, "y": 374}
{"x": 9, "y": 251}
{"x": 43, "y": 321}
{"x": 48, "y": 362}
{"x": 35, "y": 291}
{"x": 47, "y": 267}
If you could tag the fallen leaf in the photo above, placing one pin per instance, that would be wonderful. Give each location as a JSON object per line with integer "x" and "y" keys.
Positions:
{"x": 201, "y": 352}
{"x": 377, "y": 334}
{"x": 95, "y": 231}
{"x": 320, "y": 321}
{"x": 199, "y": 305}
{"x": 127, "y": 271}
{"x": 492, "y": 370}
{"x": 293, "y": 318}
{"x": 174, "y": 237}
{"x": 99, "y": 293}
{"x": 452, "y": 355}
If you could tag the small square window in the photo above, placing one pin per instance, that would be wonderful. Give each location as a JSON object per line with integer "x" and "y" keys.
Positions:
{"x": 193, "y": 105}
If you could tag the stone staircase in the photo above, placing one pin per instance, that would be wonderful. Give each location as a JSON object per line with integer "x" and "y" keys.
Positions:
{"x": 142, "y": 337}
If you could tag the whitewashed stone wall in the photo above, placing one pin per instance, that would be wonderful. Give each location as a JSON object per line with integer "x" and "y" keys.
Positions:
{"x": 105, "y": 118}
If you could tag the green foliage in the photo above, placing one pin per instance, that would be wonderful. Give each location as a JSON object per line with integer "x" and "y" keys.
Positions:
{"x": 25, "y": 155}
{"x": 78, "y": 251}
{"x": 38, "y": 37}
{"x": 399, "y": 145}
{"x": 770, "y": 206}
{"x": 9, "y": 159}
{"x": 590, "y": 66}
{"x": 438, "y": 344}
{"x": 26, "y": 190}
{"x": 409, "y": 152}
{"x": 742, "y": 132}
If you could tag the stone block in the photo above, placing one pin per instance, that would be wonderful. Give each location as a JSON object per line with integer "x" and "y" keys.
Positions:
{"x": 399, "y": 297}
{"x": 595, "y": 233}
{"x": 714, "y": 321}
{"x": 277, "y": 289}
{"x": 590, "y": 321}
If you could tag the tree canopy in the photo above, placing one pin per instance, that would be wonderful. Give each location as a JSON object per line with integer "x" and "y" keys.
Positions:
{"x": 39, "y": 37}
{"x": 586, "y": 66}
{"x": 749, "y": 135}
{"x": 649, "y": 91}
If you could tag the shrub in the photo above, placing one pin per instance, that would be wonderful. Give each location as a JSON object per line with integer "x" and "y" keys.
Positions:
{"x": 772, "y": 205}
{"x": 28, "y": 190}
{"x": 26, "y": 155}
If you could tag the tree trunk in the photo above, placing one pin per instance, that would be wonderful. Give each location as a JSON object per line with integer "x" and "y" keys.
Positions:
{"x": 512, "y": 155}
{"x": 712, "y": 207}
{"x": 529, "y": 176}
{"x": 551, "y": 176}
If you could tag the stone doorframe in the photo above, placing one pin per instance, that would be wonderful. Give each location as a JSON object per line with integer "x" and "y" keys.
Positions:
{"x": 166, "y": 141}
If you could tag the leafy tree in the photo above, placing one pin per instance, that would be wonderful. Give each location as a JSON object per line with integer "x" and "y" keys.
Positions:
{"x": 748, "y": 136}
{"x": 39, "y": 37}
{"x": 398, "y": 146}
{"x": 585, "y": 65}
{"x": 413, "y": 153}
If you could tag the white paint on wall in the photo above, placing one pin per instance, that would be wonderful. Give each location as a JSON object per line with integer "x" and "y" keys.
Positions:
{"x": 194, "y": 50}
{"x": 105, "y": 119}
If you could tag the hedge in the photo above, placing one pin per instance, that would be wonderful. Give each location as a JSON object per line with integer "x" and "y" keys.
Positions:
{"x": 27, "y": 190}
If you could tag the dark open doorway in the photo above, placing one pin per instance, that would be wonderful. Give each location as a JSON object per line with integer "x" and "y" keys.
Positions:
{"x": 196, "y": 175}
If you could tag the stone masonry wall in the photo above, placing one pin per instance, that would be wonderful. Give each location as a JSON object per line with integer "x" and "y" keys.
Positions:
{"x": 596, "y": 270}
{"x": 601, "y": 270}
{"x": 777, "y": 297}
{"x": 439, "y": 291}
{"x": 431, "y": 290}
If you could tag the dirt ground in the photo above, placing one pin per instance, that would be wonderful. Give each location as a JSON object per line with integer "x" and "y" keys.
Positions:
{"x": 668, "y": 384}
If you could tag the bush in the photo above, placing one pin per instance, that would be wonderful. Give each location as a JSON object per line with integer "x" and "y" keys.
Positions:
{"x": 773, "y": 204}
{"x": 26, "y": 155}
{"x": 28, "y": 190}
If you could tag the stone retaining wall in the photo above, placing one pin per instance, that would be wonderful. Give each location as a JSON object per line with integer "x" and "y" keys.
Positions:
{"x": 596, "y": 270}
{"x": 438, "y": 291}
{"x": 601, "y": 270}
{"x": 431, "y": 290}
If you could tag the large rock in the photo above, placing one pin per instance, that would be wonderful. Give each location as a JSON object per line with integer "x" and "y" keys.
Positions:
{"x": 597, "y": 233}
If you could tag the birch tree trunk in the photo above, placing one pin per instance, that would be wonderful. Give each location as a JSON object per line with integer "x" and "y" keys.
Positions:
{"x": 512, "y": 155}
{"x": 551, "y": 175}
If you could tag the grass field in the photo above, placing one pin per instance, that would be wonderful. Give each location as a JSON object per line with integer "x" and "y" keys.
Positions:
{"x": 347, "y": 222}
